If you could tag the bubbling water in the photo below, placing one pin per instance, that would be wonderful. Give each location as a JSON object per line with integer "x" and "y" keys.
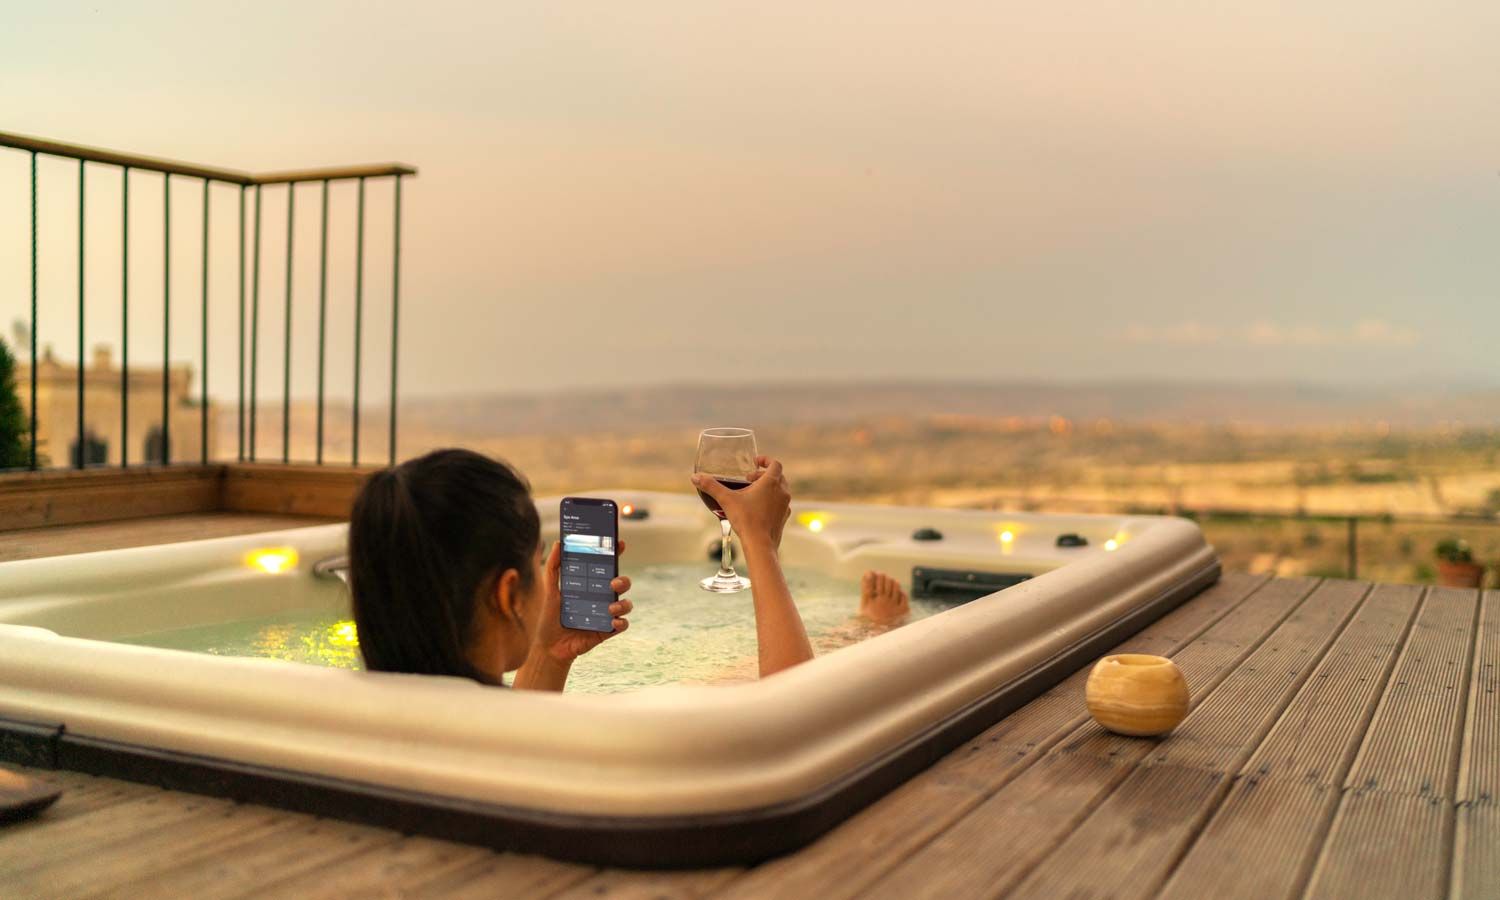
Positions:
{"x": 678, "y": 633}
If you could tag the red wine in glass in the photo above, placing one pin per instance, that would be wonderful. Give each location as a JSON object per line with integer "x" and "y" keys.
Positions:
{"x": 734, "y": 484}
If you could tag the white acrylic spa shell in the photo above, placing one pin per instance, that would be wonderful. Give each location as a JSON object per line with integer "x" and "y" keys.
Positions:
{"x": 658, "y": 752}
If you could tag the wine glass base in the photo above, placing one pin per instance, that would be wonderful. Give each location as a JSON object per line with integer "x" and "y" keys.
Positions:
{"x": 720, "y": 584}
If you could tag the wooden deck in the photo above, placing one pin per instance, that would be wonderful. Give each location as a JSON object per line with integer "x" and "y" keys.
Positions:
{"x": 1344, "y": 742}
{"x": 62, "y": 540}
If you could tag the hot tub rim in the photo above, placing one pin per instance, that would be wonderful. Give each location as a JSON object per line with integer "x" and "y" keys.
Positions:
{"x": 681, "y": 840}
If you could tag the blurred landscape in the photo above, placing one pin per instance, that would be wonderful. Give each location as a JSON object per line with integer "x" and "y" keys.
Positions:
{"x": 1272, "y": 471}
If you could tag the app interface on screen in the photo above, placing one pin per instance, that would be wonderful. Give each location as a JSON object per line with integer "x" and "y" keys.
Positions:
{"x": 588, "y": 564}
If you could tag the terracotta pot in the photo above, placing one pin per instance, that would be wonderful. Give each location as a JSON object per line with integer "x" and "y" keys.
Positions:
{"x": 1137, "y": 695}
{"x": 1459, "y": 574}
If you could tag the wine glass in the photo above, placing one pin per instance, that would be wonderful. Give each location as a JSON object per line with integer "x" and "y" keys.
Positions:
{"x": 726, "y": 455}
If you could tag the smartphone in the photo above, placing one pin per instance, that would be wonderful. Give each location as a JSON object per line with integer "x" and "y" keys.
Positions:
{"x": 590, "y": 561}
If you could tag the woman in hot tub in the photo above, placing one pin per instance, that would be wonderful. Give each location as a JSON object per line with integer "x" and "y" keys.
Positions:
{"x": 447, "y": 574}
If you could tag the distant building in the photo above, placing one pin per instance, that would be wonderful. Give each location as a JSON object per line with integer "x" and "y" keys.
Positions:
{"x": 57, "y": 409}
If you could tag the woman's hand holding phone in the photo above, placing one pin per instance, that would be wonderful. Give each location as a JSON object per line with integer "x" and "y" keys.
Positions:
{"x": 564, "y": 645}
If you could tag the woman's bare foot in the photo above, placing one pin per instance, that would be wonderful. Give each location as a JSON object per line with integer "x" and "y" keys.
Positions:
{"x": 881, "y": 598}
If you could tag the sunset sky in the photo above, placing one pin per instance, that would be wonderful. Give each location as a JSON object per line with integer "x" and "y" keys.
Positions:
{"x": 622, "y": 193}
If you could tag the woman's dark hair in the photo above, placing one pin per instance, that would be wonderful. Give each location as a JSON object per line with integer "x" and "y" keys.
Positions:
{"x": 427, "y": 539}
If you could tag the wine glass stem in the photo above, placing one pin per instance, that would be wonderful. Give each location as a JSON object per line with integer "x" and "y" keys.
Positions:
{"x": 726, "y": 555}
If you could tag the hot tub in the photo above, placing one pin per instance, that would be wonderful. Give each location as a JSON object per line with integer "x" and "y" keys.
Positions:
{"x": 665, "y": 775}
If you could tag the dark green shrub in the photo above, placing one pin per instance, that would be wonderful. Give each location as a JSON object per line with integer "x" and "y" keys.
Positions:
{"x": 14, "y": 430}
{"x": 1453, "y": 550}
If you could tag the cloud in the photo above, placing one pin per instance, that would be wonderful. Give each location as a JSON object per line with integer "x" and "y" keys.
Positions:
{"x": 1366, "y": 332}
{"x": 1183, "y": 333}
{"x": 1272, "y": 335}
{"x": 1379, "y": 331}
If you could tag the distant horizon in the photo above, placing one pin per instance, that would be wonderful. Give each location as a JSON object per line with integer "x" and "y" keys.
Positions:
{"x": 1475, "y": 385}
{"x": 374, "y": 392}
{"x": 1293, "y": 404}
{"x": 531, "y": 423}
{"x": 1472, "y": 383}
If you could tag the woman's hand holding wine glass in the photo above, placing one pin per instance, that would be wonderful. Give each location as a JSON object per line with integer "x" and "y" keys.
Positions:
{"x": 758, "y": 512}
{"x": 750, "y": 491}
{"x": 726, "y": 459}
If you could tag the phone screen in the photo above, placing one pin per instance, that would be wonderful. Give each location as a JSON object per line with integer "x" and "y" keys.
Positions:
{"x": 590, "y": 533}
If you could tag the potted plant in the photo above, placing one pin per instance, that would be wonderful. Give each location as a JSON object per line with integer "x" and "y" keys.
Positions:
{"x": 1456, "y": 565}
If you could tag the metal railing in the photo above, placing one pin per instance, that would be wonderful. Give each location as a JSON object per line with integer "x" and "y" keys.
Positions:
{"x": 1351, "y": 524}
{"x": 207, "y": 175}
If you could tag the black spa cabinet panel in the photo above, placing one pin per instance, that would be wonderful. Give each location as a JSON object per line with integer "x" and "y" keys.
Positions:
{"x": 959, "y": 585}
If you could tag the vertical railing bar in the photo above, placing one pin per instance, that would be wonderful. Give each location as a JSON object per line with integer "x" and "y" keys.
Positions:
{"x": 82, "y": 450}
{"x": 395, "y": 314}
{"x": 322, "y": 313}
{"x": 255, "y": 327}
{"x": 124, "y": 317}
{"x": 240, "y": 369}
{"x": 286, "y": 336}
{"x": 166, "y": 319}
{"x": 33, "y": 310}
{"x": 359, "y": 307}
{"x": 203, "y": 342}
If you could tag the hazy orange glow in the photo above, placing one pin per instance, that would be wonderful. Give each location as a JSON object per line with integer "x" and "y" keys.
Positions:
{"x": 866, "y": 190}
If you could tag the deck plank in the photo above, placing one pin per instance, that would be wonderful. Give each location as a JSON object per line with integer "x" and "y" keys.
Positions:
{"x": 65, "y": 540}
{"x": 997, "y": 843}
{"x": 1136, "y": 836}
{"x": 240, "y": 866}
{"x": 857, "y": 852}
{"x": 1263, "y": 838}
{"x": 85, "y": 800}
{"x": 50, "y": 842}
{"x": 621, "y": 884}
{"x": 74, "y": 784}
{"x": 1476, "y": 862}
{"x": 382, "y": 870}
{"x": 1399, "y": 791}
{"x": 1001, "y": 839}
{"x": 877, "y": 838}
{"x": 1316, "y": 738}
{"x": 1261, "y": 842}
{"x": 1384, "y": 845}
{"x": 1130, "y": 838}
{"x": 1476, "y": 869}
{"x": 124, "y": 858}
{"x": 1479, "y": 767}
{"x": 1413, "y": 743}
{"x": 503, "y": 875}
